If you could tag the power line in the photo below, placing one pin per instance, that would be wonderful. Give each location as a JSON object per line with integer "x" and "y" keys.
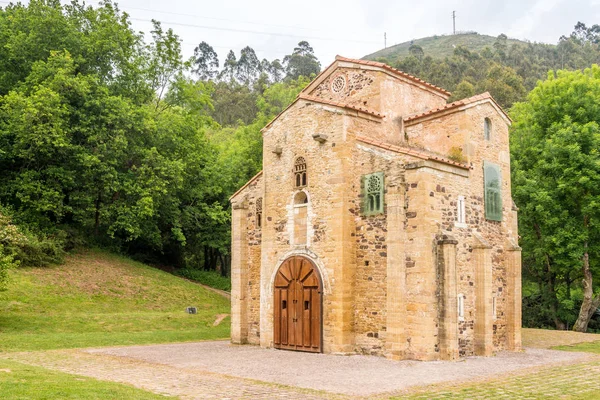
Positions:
{"x": 225, "y": 19}
{"x": 239, "y": 30}
{"x": 253, "y": 32}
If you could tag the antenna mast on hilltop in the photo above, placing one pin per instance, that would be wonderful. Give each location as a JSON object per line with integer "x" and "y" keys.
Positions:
{"x": 385, "y": 40}
{"x": 454, "y": 22}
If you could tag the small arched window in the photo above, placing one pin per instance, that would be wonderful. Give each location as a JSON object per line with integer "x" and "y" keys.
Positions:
{"x": 487, "y": 128}
{"x": 300, "y": 218}
{"x": 259, "y": 212}
{"x": 300, "y": 172}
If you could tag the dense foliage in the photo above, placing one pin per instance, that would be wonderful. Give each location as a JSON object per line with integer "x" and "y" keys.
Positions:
{"x": 555, "y": 147}
{"x": 108, "y": 140}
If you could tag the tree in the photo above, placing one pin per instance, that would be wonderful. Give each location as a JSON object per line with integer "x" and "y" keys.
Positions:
{"x": 248, "y": 66}
{"x": 302, "y": 62}
{"x": 206, "y": 62}
{"x": 416, "y": 51}
{"x": 229, "y": 67}
{"x": 556, "y": 178}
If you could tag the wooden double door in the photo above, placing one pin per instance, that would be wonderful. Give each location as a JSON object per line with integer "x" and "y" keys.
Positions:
{"x": 298, "y": 305}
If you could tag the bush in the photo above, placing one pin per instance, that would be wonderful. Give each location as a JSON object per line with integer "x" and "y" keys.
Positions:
{"x": 208, "y": 278}
{"x": 6, "y": 262}
{"x": 29, "y": 249}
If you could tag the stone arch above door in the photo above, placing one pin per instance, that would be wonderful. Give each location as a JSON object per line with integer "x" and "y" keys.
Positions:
{"x": 298, "y": 306}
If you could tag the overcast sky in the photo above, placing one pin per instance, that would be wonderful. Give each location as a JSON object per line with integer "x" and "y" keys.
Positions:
{"x": 352, "y": 28}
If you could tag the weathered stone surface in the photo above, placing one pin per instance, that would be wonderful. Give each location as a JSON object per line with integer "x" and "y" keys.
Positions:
{"x": 390, "y": 280}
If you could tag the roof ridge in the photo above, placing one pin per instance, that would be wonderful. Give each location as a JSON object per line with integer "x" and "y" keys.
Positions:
{"x": 246, "y": 184}
{"x": 420, "y": 153}
{"x": 304, "y": 96}
{"x": 456, "y": 104}
{"x": 396, "y": 71}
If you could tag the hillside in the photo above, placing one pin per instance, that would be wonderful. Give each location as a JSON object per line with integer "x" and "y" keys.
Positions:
{"x": 440, "y": 46}
{"x": 99, "y": 299}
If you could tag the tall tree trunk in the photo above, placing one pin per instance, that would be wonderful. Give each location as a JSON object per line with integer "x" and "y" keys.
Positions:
{"x": 97, "y": 214}
{"x": 589, "y": 305}
{"x": 554, "y": 304}
{"x": 550, "y": 284}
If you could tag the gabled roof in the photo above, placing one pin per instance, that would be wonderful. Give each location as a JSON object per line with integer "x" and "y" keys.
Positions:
{"x": 313, "y": 99}
{"x": 392, "y": 71}
{"x": 410, "y": 151}
{"x": 255, "y": 177}
{"x": 456, "y": 106}
{"x": 340, "y": 105}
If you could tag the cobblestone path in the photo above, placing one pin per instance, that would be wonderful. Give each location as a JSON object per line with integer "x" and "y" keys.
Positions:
{"x": 162, "y": 379}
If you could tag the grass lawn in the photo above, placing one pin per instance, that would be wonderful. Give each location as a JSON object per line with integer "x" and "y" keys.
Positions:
{"x": 100, "y": 299}
{"x": 575, "y": 381}
{"x": 19, "y": 381}
{"x": 589, "y": 347}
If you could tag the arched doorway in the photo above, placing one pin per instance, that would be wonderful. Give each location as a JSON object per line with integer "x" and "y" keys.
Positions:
{"x": 297, "y": 309}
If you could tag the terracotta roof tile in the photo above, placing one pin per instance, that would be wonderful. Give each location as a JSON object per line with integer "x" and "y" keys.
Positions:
{"x": 410, "y": 151}
{"x": 397, "y": 72}
{"x": 454, "y": 105}
{"x": 255, "y": 177}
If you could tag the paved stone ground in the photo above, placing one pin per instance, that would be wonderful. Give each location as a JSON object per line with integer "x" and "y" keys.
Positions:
{"x": 211, "y": 370}
{"x": 169, "y": 381}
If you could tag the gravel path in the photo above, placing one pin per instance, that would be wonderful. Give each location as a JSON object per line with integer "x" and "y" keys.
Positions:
{"x": 346, "y": 375}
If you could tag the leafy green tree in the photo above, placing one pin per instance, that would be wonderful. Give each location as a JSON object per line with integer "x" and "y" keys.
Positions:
{"x": 248, "y": 66}
{"x": 229, "y": 67}
{"x": 556, "y": 179}
{"x": 302, "y": 62}
{"x": 206, "y": 62}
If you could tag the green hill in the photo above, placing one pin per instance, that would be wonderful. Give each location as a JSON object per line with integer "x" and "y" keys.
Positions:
{"x": 440, "y": 46}
{"x": 100, "y": 299}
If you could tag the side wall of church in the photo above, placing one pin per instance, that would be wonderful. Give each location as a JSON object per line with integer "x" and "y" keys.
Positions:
{"x": 245, "y": 268}
{"x": 465, "y": 130}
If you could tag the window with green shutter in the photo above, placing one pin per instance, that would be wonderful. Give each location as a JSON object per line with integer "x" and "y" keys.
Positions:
{"x": 493, "y": 191}
{"x": 372, "y": 186}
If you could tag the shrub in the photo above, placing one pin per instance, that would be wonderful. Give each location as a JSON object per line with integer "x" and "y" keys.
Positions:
{"x": 6, "y": 262}
{"x": 27, "y": 248}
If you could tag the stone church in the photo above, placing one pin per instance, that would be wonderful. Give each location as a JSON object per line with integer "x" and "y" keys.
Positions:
{"x": 381, "y": 224}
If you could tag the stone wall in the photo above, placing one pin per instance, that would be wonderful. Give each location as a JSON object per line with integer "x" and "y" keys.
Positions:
{"x": 370, "y": 313}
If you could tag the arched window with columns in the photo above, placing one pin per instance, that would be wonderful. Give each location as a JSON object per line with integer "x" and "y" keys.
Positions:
{"x": 300, "y": 172}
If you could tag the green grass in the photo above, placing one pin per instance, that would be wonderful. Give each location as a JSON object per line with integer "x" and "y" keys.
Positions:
{"x": 100, "y": 299}
{"x": 589, "y": 347}
{"x": 19, "y": 381}
{"x": 579, "y": 381}
{"x": 208, "y": 278}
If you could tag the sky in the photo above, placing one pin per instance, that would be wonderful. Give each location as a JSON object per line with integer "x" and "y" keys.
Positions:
{"x": 351, "y": 28}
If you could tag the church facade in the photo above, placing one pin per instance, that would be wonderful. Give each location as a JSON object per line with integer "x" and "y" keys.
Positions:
{"x": 382, "y": 223}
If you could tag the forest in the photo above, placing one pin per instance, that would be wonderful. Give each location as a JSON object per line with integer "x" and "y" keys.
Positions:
{"x": 109, "y": 141}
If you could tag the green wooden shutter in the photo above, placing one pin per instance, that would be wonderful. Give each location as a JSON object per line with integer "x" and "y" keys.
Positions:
{"x": 492, "y": 191}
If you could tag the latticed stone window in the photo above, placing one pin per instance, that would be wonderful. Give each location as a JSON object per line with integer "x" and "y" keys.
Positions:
{"x": 300, "y": 172}
{"x": 259, "y": 209}
{"x": 372, "y": 191}
{"x": 492, "y": 191}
